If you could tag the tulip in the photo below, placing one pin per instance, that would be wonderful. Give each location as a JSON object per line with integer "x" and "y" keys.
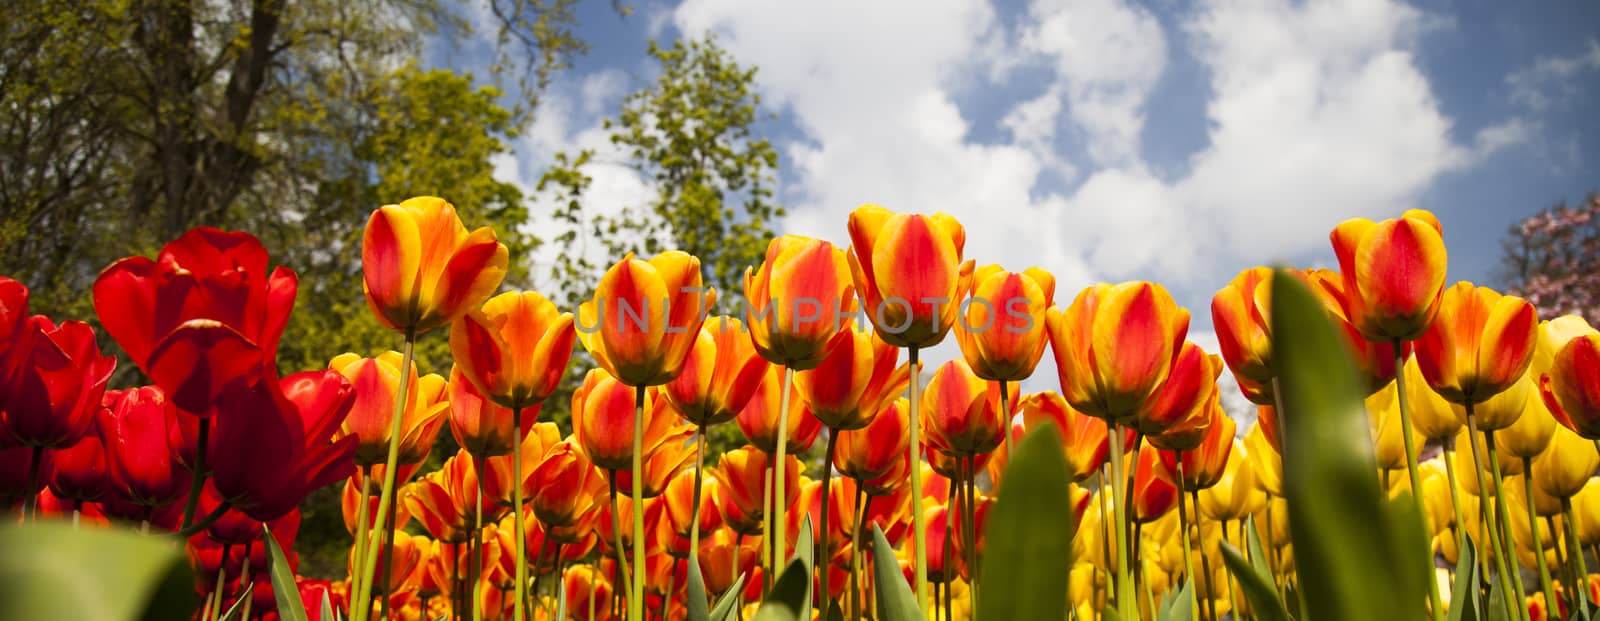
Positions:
{"x": 1236, "y": 494}
{"x": 1564, "y": 468}
{"x": 588, "y": 592}
{"x": 350, "y": 507}
{"x": 761, "y": 418}
{"x": 375, "y": 382}
{"x": 964, "y": 417}
{"x": 1115, "y": 346}
{"x": 444, "y": 501}
{"x": 56, "y": 381}
{"x": 201, "y": 319}
{"x": 478, "y": 425}
{"x": 1530, "y": 434}
{"x": 679, "y": 497}
{"x": 1586, "y": 508}
{"x": 1002, "y": 326}
{"x": 741, "y": 476}
{"x": 1182, "y": 402}
{"x": 877, "y": 449}
{"x": 1153, "y": 495}
{"x": 1375, "y": 360}
{"x": 671, "y": 455}
{"x": 514, "y": 350}
{"x": 273, "y": 442}
{"x": 568, "y": 485}
{"x": 1482, "y": 344}
{"x": 1394, "y": 274}
{"x": 800, "y": 297}
{"x": 1571, "y": 388}
{"x": 13, "y": 321}
{"x": 502, "y": 476}
{"x": 603, "y": 422}
{"x": 1264, "y": 460}
{"x": 1431, "y": 415}
{"x": 422, "y": 269}
{"x": 1389, "y": 447}
{"x": 856, "y": 379}
{"x": 1240, "y": 312}
{"x": 137, "y": 429}
{"x": 645, "y": 316}
{"x": 719, "y": 376}
{"x": 80, "y": 472}
{"x": 1084, "y": 439}
{"x": 1202, "y": 467}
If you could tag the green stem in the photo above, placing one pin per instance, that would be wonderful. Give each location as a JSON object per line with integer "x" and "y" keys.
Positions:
{"x": 699, "y": 473}
{"x": 516, "y": 517}
{"x": 1205, "y": 561}
{"x": 636, "y": 603}
{"x": 1485, "y": 513}
{"x": 1233, "y": 600}
{"x": 969, "y": 527}
{"x": 1435, "y": 604}
{"x": 1533, "y": 527}
{"x": 1503, "y": 519}
{"x": 779, "y": 500}
{"x": 1188, "y": 557}
{"x": 475, "y": 573}
{"x": 1455, "y": 501}
{"x": 919, "y": 524}
{"x": 823, "y": 556}
{"x": 362, "y": 517}
{"x": 197, "y": 485}
{"x": 1005, "y": 411}
{"x": 616, "y": 534}
{"x": 1124, "y": 594}
{"x": 363, "y": 604}
{"x": 205, "y": 522}
{"x": 855, "y": 553}
{"x": 1580, "y": 587}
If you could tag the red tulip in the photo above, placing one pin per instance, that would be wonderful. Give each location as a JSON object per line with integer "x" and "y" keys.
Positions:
{"x": 602, "y": 421}
{"x": 200, "y": 319}
{"x": 140, "y": 432}
{"x": 1153, "y": 494}
{"x": 271, "y": 444}
{"x": 566, "y": 485}
{"x": 1182, "y": 399}
{"x": 56, "y": 382}
{"x": 80, "y": 471}
{"x": 13, "y": 320}
{"x": 1240, "y": 312}
{"x": 1571, "y": 388}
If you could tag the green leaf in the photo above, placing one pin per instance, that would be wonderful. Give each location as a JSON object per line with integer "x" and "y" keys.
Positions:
{"x": 787, "y": 597}
{"x": 1027, "y": 541}
{"x": 730, "y": 601}
{"x": 1348, "y": 568}
{"x": 51, "y": 570}
{"x": 896, "y": 602}
{"x": 238, "y": 605}
{"x": 284, "y": 590}
{"x": 1464, "y": 593}
{"x": 1495, "y": 610}
{"x": 833, "y": 612}
{"x": 1258, "y": 557}
{"x": 805, "y": 549}
{"x": 696, "y": 595}
{"x": 327, "y": 607}
{"x": 1110, "y": 612}
{"x": 1176, "y": 604}
{"x": 1257, "y": 589}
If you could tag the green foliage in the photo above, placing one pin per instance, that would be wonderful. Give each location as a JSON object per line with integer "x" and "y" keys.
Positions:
{"x": 1028, "y": 536}
{"x": 50, "y": 570}
{"x": 284, "y": 590}
{"x": 1464, "y": 605}
{"x": 1358, "y": 555}
{"x": 693, "y": 134}
{"x": 896, "y": 602}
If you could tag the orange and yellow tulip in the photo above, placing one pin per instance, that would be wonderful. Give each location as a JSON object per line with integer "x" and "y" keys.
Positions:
{"x": 1153, "y": 493}
{"x": 963, "y": 413}
{"x": 719, "y": 376}
{"x": 1203, "y": 467}
{"x": 1375, "y": 360}
{"x": 498, "y": 474}
{"x": 1240, "y": 312}
{"x": 876, "y": 450}
{"x": 422, "y": 269}
{"x": 908, "y": 271}
{"x": 1084, "y": 438}
{"x": 567, "y": 484}
{"x": 350, "y": 508}
{"x": 1571, "y": 388}
{"x": 800, "y": 297}
{"x": 679, "y": 496}
{"x": 859, "y": 374}
{"x": 759, "y": 418}
{"x": 645, "y": 317}
{"x": 602, "y": 421}
{"x": 1002, "y": 327}
{"x": 444, "y": 501}
{"x": 1394, "y": 274}
{"x": 1182, "y": 401}
{"x": 741, "y": 483}
{"x": 1115, "y": 345}
{"x": 480, "y": 426}
{"x": 1481, "y": 344}
{"x": 514, "y": 349}
{"x": 724, "y": 556}
{"x": 375, "y": 381}
{"x": 668, "y": 456}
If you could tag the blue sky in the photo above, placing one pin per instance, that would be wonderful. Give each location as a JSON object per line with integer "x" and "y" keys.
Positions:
{"x": 1110, "y": 140}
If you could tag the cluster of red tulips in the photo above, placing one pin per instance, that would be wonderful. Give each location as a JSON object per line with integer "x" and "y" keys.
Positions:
{"x": 628, "y": 517}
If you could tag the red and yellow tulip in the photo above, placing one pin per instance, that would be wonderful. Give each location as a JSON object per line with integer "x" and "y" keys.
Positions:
{"x": 1394, "y": 274}
{"x": 375, "y": 381}
{"x": 1002, "y": 325}
{"x": 1481, "y": 344}
{"x": 422, "y": 269}
{"x": 645, "y": 316}
{"x": 800, "y": 297}
{"x": 908, "y": 271}
{"x": 1115, "y": 345}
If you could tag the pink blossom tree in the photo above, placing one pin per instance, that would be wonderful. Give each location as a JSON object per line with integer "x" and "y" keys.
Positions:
{"x": 1552, "y": 258}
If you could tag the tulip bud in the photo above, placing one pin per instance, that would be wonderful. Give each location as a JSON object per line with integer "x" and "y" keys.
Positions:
{"x": 802, "y": 295}
{"x": 1481, "y": 345}
{"x": 908, "y": 271}
{"x": 1394, "y": 273}
{"x": 1002, "y": 326}
{"x": 1115, "y": 345}
{"x": 645, "y": 316}
{"x": 422, "y": 269}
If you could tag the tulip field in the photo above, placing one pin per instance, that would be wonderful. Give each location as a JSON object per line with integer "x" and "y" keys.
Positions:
{"x": 1421, "y": 449}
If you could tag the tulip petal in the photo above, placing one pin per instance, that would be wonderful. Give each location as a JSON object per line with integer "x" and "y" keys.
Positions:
{"x": 200, "y": 361}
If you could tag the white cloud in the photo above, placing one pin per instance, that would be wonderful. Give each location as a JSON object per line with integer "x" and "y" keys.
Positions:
{"x": 1553, "y": 80}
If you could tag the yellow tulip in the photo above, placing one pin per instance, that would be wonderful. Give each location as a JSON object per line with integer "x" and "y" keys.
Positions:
{"x": 1383, "y": 411}
{"x": 1564, "y": 468}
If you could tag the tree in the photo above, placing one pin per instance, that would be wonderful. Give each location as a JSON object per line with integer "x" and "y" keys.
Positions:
{"x": 693, "y": 134}
{"x": 1552, "y": 258}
